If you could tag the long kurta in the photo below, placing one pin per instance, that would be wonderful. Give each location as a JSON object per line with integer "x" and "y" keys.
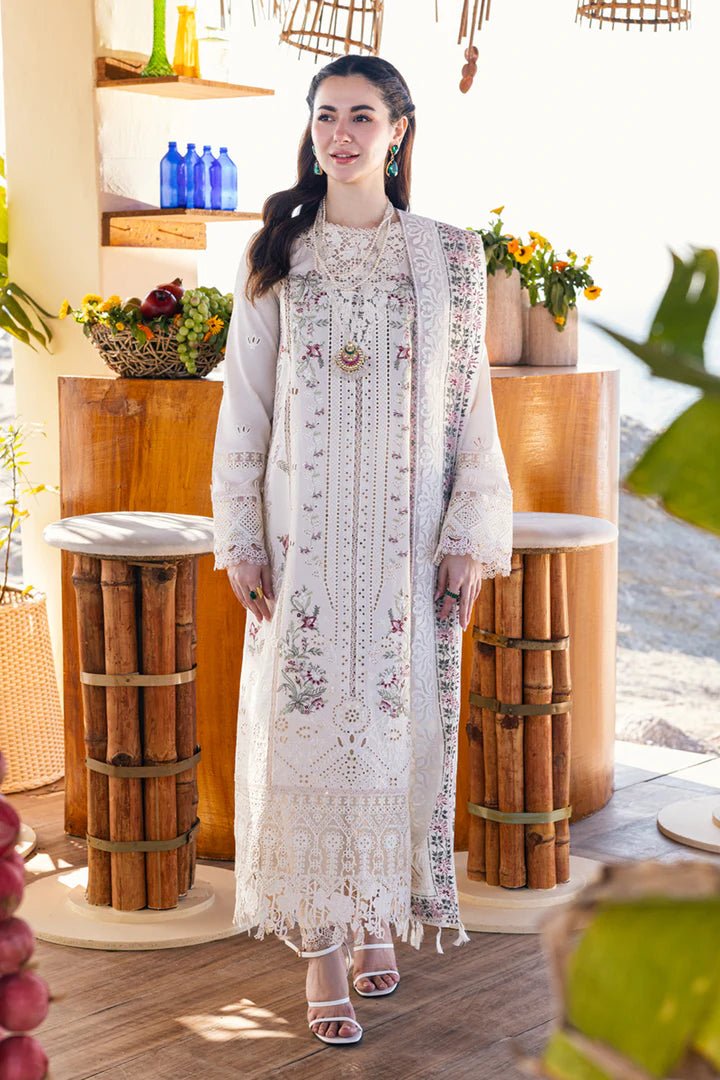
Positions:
{"x": 353, "y": 487}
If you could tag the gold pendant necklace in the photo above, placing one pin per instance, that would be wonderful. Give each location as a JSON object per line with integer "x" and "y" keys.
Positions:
{"x": 351, "y": 358}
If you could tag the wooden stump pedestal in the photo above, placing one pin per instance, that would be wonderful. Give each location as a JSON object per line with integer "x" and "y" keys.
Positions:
{"x": 135, "y": 584}
{"x": 520, "y": 708}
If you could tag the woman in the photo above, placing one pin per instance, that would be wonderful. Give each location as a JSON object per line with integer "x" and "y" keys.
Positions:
{"x": 360, "y": 496}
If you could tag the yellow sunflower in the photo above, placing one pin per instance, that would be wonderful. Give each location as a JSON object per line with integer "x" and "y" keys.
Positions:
{"x": 592, "y": 292}
{"x": 524, "y": 253}
{"x": 543, "y": 241}
{"x": 91, "y": 298}
{"x": 498, "y": 210}
{"x": 65, "y": 309}
{"x": 111, "y": 302}
{"x": 119, "y": 326}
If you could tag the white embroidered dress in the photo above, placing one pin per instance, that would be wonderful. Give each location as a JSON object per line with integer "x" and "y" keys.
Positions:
{"x": 337, "y": 763}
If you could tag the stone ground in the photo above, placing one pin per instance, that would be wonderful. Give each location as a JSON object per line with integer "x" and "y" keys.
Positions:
{"x": 668, "y": 654}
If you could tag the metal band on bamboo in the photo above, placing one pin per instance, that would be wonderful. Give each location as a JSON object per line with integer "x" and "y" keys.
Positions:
{"x": 144, "y": 845}
{"x": 519, "y": 643}
{"x": 135, "y": 678}
{"x": 166, "y": 768}
{"x": 518, "y": 817}
{"x": 545, "y": 709}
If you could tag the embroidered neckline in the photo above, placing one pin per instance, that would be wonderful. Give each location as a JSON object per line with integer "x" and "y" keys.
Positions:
{"x": 363, "y": 229}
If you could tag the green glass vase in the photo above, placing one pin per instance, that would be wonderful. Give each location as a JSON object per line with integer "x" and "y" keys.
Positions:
{"x": 158, "y": 64}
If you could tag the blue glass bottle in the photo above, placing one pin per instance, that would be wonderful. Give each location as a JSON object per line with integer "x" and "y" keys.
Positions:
{"x": 203, "y": 197}
{"x": 172, "y": 178}
{"x": 216, "y": 185}
{"x": 228, "y": 197}
{"x": 191, "y": 159}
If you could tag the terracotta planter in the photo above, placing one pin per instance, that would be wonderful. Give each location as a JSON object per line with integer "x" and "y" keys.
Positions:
{"x": 504, "y": 331}
{"x": 31, "y": 721}
{"x": 546, "y": 345}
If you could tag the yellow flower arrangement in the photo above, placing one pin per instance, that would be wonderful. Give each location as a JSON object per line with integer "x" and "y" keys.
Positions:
{"x": 541, "y": 240}
{"x": 91, "y": 298}
{"x": 111, "y": 302}
{"x": 524, "y": 253}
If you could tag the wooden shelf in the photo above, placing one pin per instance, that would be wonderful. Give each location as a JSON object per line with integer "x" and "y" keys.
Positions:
{"x": 164, "y": 228}
{"x": 118, "y": 74}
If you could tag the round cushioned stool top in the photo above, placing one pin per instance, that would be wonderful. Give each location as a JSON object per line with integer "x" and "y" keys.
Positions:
{"x": 534, "y": 531}
{"x": 143, "y": 534}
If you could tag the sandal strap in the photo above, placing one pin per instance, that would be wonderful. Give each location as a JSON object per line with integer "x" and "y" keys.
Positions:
{"x": 318, "y": 952}
{"x": 369, "y": 974}
{"x": 377, "y": 945}
{"x": 331, "y": 1019}
{"x": 322, "y": 1004}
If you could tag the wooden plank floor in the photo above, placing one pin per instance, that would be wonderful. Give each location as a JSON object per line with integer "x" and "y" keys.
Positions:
{"x": 236, "y": 1008}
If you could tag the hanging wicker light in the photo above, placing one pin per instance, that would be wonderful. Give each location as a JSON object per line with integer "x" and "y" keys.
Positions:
{"x": 331, "y": 28}
{"x": 642, "y": 13}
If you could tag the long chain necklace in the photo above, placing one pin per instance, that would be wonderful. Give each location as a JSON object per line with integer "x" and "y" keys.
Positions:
{"x": 350, "y": 358}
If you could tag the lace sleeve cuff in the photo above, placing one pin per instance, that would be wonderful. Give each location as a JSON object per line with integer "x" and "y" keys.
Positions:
{"x": 479, "y": 524}
{"x": 239, "y": 532}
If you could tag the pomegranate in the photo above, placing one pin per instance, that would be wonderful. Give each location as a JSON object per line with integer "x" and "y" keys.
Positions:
{"x": 175, "y": 287}
{"x": 9, "y": 826}
{"x": 17, "y": 944}
{"x": 24, "y": 1001}
{"x": 159, "y": 302}
{"x": 22, "y": 1058}
{"x": 12, "y": 883}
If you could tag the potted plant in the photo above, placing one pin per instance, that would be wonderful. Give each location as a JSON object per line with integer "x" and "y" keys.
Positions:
{"x": 19, "y": 313}
{"x": 553, "y": 286}
{"x": 503, "y": 255}
{"x": 173, "y": 333}
{"x": 31, "y": 723}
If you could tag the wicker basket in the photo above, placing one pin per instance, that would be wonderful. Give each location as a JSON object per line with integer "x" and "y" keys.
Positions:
{"x": 31, "y": 722}
{"x": 156, "y": 359}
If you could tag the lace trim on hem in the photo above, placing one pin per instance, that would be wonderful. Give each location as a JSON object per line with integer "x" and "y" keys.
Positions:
{"x": 409, "y": 929}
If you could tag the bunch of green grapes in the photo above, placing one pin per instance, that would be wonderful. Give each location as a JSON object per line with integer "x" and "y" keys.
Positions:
{"x": 203, "y": 309}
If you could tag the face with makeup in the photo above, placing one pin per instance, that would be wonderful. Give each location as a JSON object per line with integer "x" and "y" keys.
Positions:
{"x": 351, "y": 130}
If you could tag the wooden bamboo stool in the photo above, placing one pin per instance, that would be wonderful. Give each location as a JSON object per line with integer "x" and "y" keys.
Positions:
{"x": 519, "y": 728}
{"x": 135, "y": 576}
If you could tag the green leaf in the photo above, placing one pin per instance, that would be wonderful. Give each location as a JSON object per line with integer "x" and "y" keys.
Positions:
{"x": 665, "y": 362}
{"x": 682, "y": 465}
{"x": 645, "y": 977}
{"x": 685, "y": 311}
{"x": 16, "y": 312}
{"x": 564, "y": 1061}
{"x": 15, "y": 288}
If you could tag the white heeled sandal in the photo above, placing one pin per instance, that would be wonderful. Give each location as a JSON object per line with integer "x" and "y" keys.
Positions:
{"x": 368, "y": 974}
{"x": 338, "y": 1001}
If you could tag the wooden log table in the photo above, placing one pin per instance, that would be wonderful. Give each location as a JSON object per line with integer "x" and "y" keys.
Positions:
{"x": 128, "y": 444}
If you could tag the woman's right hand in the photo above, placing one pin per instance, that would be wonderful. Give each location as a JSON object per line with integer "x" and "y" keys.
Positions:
{"x": 243, "y": 577}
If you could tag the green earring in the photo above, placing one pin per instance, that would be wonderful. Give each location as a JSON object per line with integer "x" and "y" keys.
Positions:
{"x": 391, "y": 169}
{"x": 316, "y": 167}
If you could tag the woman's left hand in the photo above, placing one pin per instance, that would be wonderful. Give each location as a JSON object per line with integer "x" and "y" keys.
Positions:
{"x": 460, "y": 574}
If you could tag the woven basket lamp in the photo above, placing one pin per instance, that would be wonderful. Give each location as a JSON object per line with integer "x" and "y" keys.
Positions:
{"x": 330, "y": 28}
{"x": 642, "y": 13}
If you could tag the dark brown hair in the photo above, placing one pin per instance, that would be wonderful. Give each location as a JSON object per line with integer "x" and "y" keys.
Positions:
{"x": 269, "y": 251}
